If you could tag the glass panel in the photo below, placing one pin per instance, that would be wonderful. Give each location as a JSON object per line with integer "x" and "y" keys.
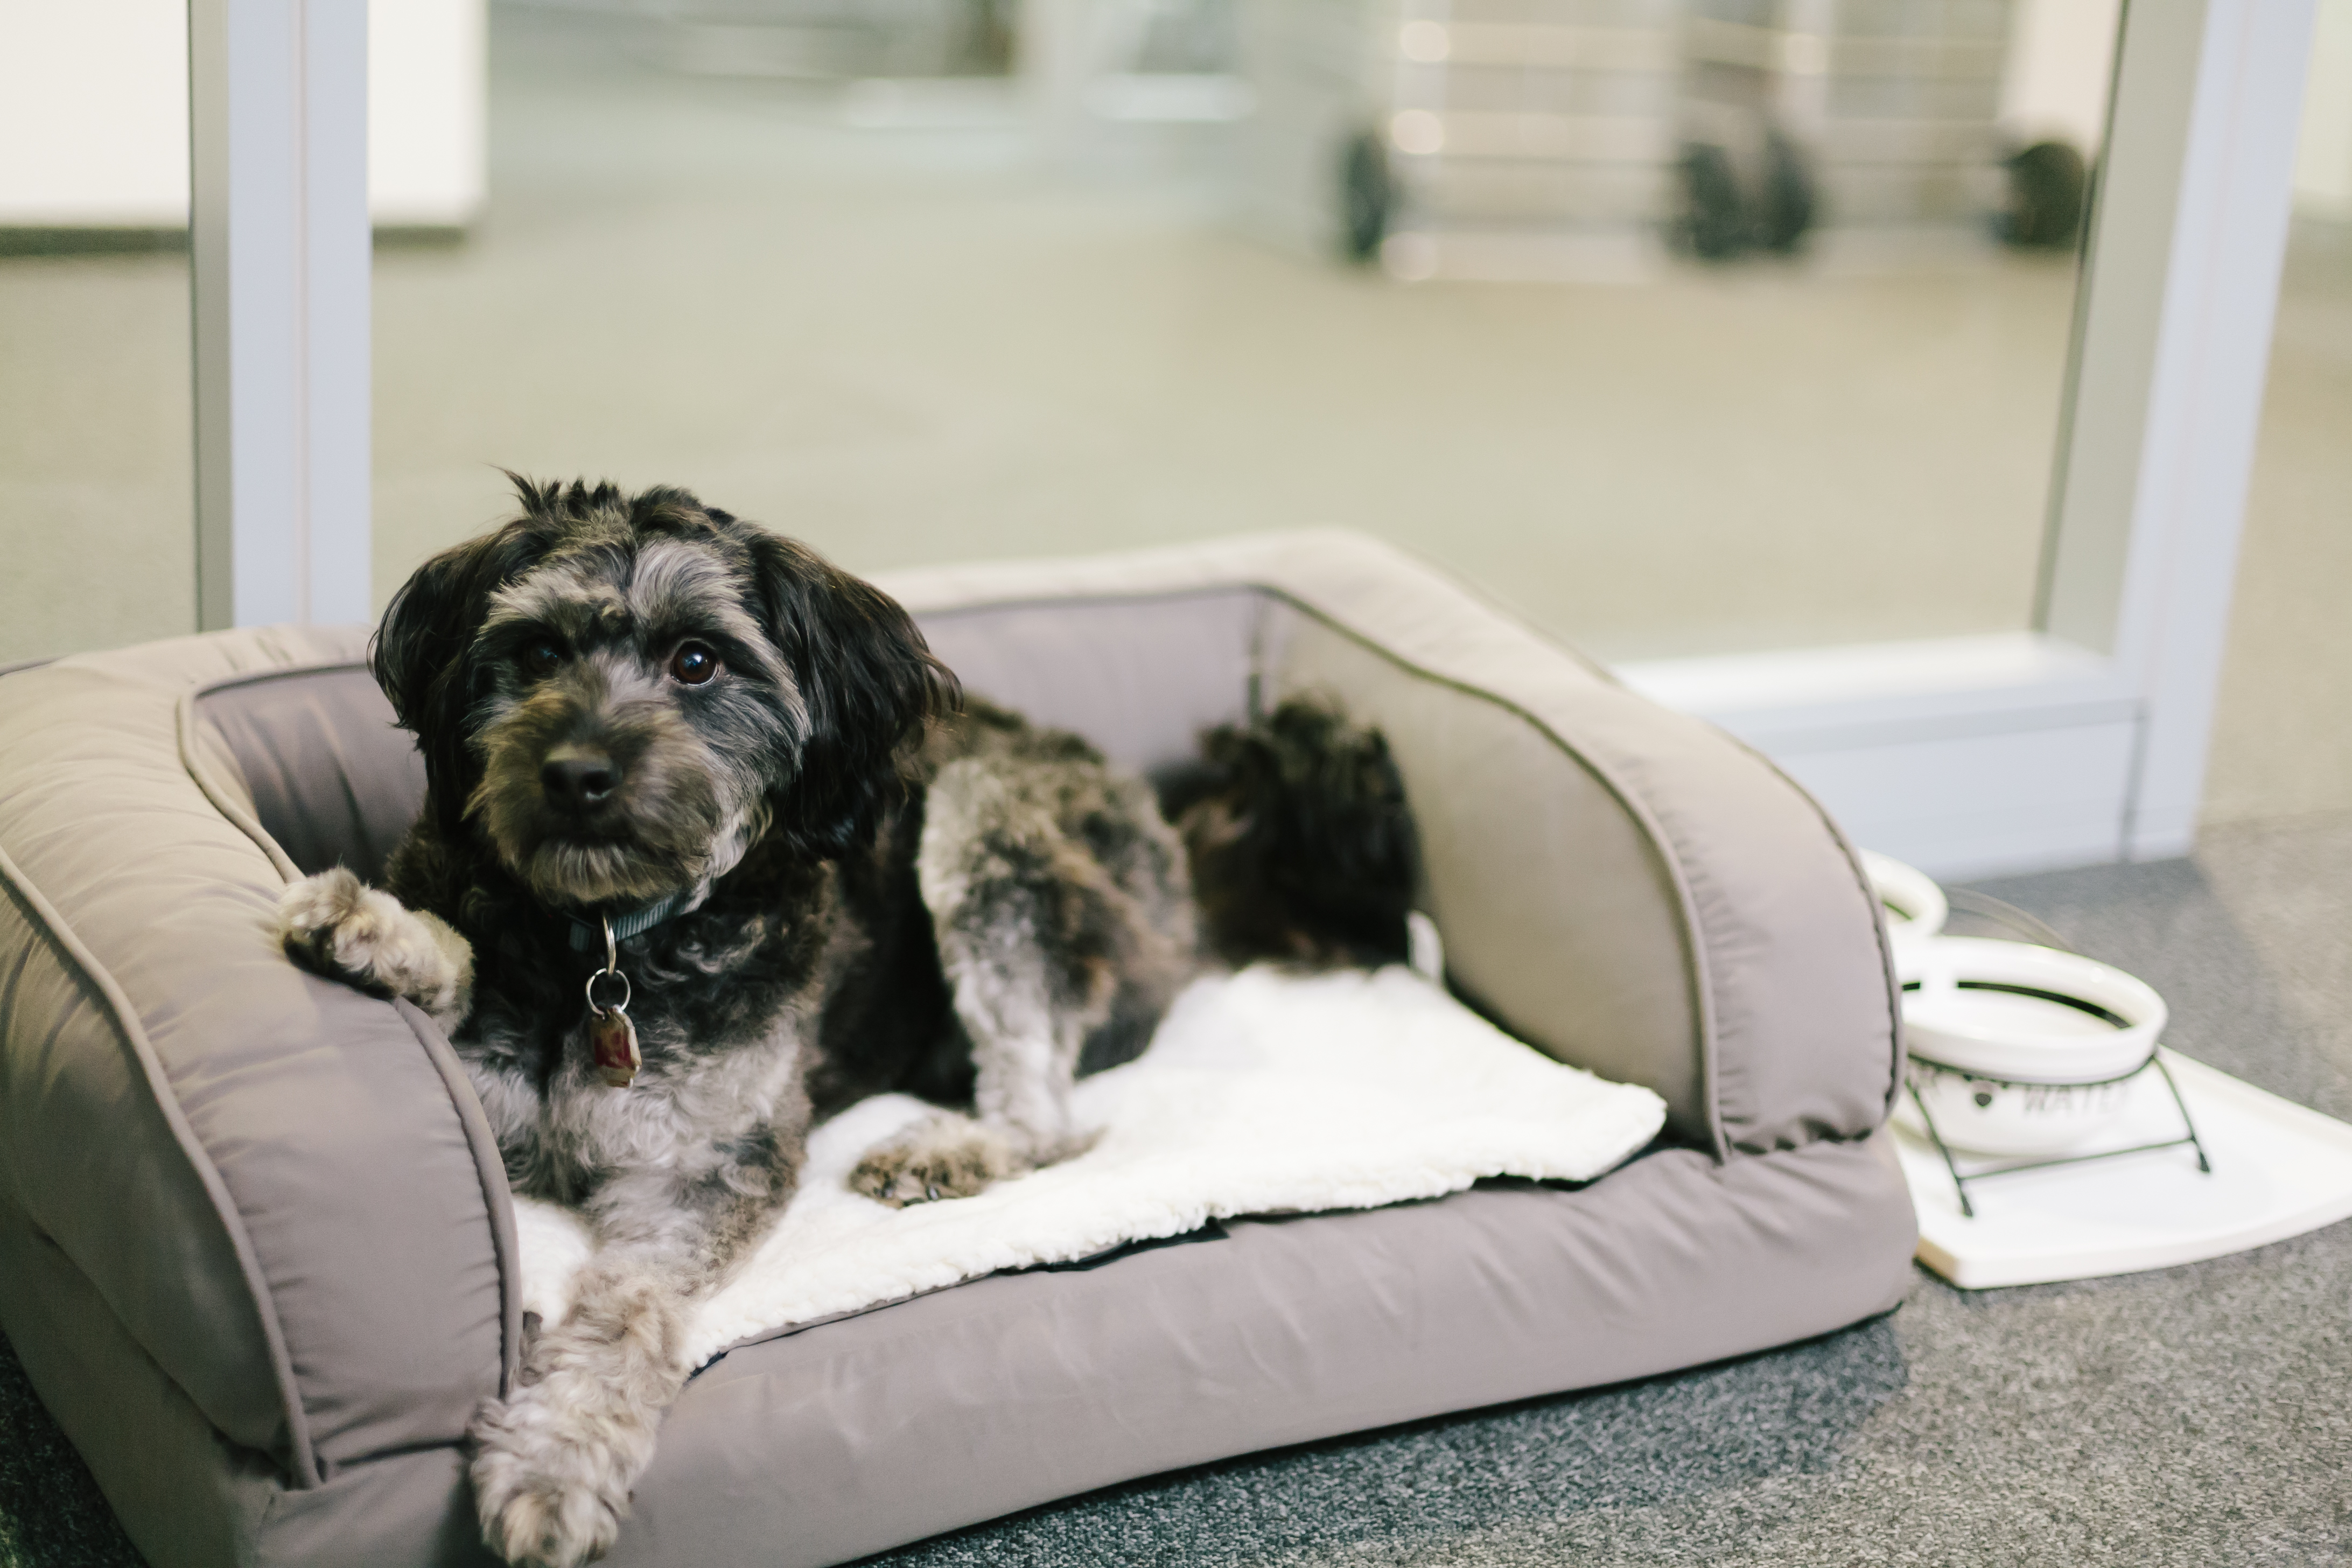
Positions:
{"x": 1684, "y": 326}
{"x": 96, "y": 522}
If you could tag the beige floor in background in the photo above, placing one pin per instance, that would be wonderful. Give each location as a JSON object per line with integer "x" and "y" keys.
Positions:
{"x": 912, "y": 344}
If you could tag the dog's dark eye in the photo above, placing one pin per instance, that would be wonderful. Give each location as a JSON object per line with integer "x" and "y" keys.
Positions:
{"x": 542, "y": 657}
{"x": 693, "y": 664}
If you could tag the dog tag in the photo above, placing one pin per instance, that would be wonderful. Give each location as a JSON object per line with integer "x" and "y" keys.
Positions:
{"x": 610, "y": 1036}
{"x": 614, "y": 1040}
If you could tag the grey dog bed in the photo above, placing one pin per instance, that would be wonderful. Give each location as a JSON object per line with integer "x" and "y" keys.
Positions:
{"x": 258, "y": 1255}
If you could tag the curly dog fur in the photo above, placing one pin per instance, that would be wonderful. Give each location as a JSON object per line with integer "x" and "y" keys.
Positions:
{"x": 637, "y": 703}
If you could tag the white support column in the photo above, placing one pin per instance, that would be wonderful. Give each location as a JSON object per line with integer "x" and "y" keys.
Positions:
{"x": 2204, "y": 406}
{"x": 278, "y": 225}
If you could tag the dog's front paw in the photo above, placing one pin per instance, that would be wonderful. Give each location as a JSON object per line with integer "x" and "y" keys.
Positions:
{"x": 548, "y": 1496}
{"x": 945, "y": 1157}
{"x": 336, "y": 925}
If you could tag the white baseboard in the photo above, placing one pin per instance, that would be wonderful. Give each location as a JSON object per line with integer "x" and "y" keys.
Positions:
{"x": 1966, "y": 757}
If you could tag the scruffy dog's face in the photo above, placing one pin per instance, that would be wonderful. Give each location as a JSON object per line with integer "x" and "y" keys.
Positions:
{"x": 619, "y": 696}
{"x": 634, "y": 713}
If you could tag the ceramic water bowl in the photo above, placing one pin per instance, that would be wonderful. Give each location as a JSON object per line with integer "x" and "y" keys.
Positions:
{"x": 2018, "y": 1050}
{"x": 1915, "y": 906}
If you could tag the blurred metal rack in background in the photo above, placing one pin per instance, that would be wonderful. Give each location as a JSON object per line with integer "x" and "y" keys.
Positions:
{"x": 1590, "y": 138}
{"x": 1479, "y": 136}
{"x": 1899, "y": 101}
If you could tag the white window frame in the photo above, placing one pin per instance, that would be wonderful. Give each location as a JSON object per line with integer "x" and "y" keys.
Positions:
{"x": 279, "y": 236}
{"x": 2083, "y": 740}
{"x": 2080, "y": 741}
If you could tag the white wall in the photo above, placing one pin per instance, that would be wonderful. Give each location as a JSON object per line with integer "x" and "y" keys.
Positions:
{"x": 94, "y": 112}
{"x": 428, "y": 95}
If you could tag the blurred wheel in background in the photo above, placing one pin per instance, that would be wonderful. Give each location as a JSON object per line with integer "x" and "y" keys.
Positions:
{"x": 1715, "y": 220}
{"x": 1367, "y": 196}
{"x": 1785, "y": 210}
{"x": 1734, "y": 205}
{"x": 2049, "y": 187}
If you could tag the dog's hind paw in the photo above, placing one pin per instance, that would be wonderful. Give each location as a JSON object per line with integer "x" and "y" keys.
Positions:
{"x": 945, "y": 1157}
{"x": 546, "y": 1500}
{"x": 336, "y": 925}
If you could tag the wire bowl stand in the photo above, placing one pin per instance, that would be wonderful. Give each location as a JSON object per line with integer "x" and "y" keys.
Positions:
{"x": 1920, "y": 1068}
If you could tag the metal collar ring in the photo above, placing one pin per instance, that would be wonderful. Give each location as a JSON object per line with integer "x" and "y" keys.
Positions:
{"x": 598, "y": 1008}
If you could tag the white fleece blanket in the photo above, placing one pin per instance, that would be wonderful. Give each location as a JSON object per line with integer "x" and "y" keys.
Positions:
{"x": 1261, "y": 1093}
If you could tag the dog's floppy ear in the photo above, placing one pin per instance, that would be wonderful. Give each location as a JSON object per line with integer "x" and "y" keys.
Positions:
{"x": 419, "y": 654}
{"x": 867, "y": 678}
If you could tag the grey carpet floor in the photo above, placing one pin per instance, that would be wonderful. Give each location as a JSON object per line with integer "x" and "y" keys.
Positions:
{"x": 2196, "y": 1415}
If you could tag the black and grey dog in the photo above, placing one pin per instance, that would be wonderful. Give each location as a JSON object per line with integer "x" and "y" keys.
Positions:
{"x": 711, "y": 849}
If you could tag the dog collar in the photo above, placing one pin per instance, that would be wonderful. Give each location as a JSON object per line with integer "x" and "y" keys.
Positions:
{"x": 588, "y": 936}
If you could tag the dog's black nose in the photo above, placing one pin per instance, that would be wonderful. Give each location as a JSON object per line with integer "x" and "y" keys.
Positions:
{"x": 577, "y": 778}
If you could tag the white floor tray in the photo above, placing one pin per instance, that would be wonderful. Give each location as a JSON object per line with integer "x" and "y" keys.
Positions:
{"x": 2279, "y": 1170}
